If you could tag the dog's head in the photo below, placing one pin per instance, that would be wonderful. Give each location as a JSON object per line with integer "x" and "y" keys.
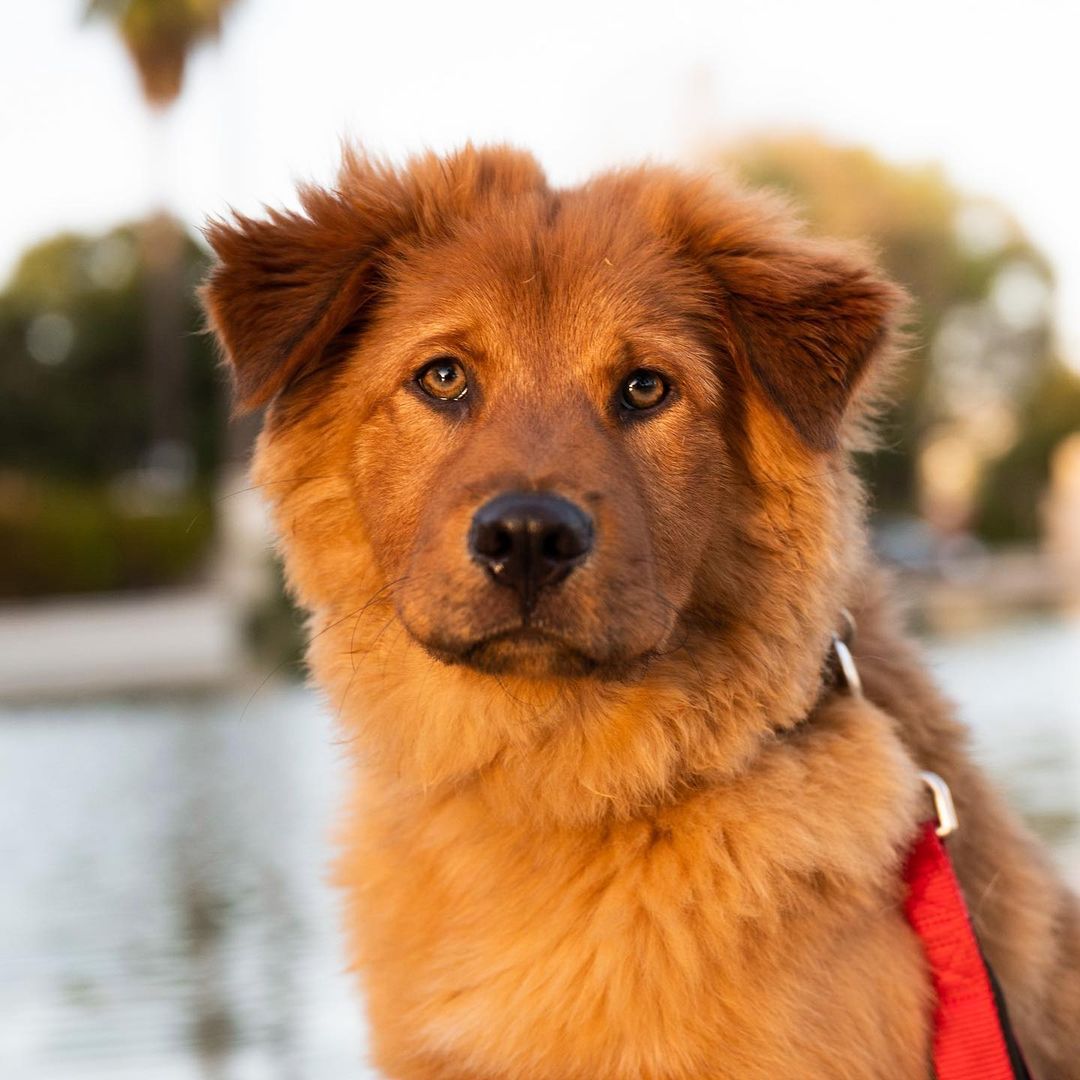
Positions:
{"x": 552, "y": 433}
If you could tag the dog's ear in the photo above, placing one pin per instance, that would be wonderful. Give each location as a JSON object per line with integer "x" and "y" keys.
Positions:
{"x": 810, "y": 320}
{"x": 805, "y": 319}
{"x": 286, "y": 286}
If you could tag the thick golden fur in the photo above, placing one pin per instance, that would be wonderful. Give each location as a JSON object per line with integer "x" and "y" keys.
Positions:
{"x": 640, "y": 844}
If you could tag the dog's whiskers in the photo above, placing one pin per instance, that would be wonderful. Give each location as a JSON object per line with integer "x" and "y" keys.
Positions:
{"x": 356, "y": 667}
{"x": 285, "y": 663}
{"x": 389, "y": 587}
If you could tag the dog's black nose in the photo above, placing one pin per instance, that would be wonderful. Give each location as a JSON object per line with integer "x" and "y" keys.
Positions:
{"x": 530, "y": 540}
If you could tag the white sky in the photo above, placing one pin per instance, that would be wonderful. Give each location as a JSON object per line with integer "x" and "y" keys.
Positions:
{"x": 990, "y": 89}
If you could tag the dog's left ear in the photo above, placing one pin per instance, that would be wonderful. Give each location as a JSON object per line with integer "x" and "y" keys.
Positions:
{"x": 806, "y": 320}
{"x": 810, "y": 321}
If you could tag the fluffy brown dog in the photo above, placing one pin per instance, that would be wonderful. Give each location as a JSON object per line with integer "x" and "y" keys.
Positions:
{"x": 562, "y": 478}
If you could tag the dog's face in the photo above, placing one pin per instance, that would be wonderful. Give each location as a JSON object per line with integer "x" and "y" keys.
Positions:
{"x": 537, "y": 448}
{"x": 549, "y": 410}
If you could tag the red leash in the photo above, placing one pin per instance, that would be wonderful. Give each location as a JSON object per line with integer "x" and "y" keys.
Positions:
{"x": 972, "y": 1037}
{"x": 970, "y": 1040}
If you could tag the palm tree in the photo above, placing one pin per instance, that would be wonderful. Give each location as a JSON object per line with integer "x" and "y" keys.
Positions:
{"x": 159, "y": 36}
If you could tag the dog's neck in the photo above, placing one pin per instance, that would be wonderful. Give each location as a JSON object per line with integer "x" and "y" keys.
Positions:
{"x": 580, "y": 751}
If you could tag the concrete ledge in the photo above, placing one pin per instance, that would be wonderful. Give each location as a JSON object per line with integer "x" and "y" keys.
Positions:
{"x": 110, "y": 644}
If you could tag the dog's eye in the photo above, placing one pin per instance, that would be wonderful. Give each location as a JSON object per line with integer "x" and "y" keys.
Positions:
{"x": 443, "y": 378}
{"x": 643, "y": 389}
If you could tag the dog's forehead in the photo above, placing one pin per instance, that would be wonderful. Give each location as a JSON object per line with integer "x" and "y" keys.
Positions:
{"x": 528, "y": 284}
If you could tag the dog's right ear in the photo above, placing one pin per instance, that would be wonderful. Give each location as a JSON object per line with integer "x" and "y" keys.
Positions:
{"x": 283, "y": 287}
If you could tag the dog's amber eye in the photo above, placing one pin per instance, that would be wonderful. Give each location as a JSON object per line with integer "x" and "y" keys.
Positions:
{"x": 443, "y": 378}
{"x": 643, "y": 390}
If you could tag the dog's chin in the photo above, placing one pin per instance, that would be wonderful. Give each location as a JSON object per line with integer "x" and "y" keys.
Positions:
{"x": 527, "y": 653}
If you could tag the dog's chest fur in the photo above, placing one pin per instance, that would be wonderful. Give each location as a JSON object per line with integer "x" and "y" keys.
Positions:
{"x": 719, "y": 936}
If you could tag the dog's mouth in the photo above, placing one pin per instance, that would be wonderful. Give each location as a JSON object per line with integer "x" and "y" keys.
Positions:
{"x": 520, "y": 650}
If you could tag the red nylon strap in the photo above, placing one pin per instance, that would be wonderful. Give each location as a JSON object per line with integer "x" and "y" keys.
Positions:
{"x": 968, "y": 1041}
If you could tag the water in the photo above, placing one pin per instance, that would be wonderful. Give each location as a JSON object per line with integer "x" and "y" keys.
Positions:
{"x": 1018, "y": 688}
{"x": 164, "y": 914}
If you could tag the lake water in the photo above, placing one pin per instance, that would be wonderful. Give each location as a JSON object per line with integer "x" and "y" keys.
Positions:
{"x": 163, "y": 912}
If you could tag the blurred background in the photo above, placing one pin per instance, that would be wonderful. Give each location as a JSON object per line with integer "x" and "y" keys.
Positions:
{"x": 167, "y": 783}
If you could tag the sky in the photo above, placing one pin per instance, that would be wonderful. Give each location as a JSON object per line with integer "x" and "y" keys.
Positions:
{"x": 989, "y": 90}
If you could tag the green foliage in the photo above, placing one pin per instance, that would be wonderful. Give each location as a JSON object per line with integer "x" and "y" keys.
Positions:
{"x": 84, "y": 504}
{"x": 74, "y": 384}
{"x": 64, "y": 538}
{"x": 1012, "y": 489}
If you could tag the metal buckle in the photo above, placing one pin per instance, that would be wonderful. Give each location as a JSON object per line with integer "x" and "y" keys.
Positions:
{"x": 846, "y": 661}
{"x": 944, "y": 808}
{"x": 848, "y": 668}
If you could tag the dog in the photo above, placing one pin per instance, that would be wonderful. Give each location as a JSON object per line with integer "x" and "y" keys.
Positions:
{"x": 563, "y": 479}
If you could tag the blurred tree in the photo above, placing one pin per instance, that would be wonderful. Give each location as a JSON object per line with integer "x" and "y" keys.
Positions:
{"x": 981, "y": 358}
{"x": 159, "y": 35}
{"x": 1011, "y": 496}
{"x": 72, "y": 405}
{"x": 83, "y": 504}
